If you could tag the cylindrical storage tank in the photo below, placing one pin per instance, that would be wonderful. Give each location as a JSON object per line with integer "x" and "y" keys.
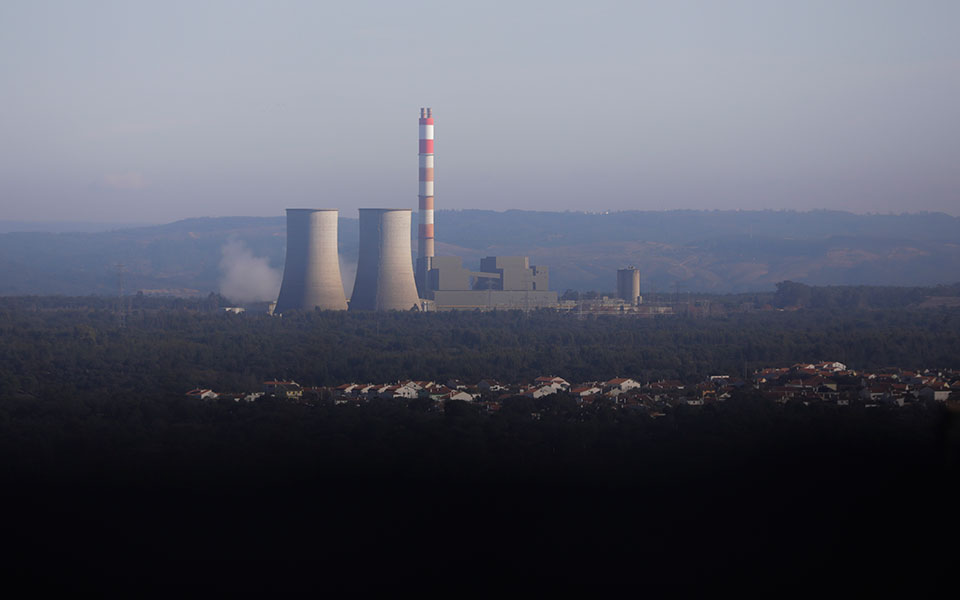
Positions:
{"x": 311, "y": 270}
{"x": 385, "y": 266}
{"x": 628, "y": 285}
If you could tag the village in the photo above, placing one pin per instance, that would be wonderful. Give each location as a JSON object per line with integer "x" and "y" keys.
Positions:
{"x": 830, "y": 383}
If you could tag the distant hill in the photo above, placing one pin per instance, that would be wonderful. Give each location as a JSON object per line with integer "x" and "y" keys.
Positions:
{"x": 64, "y": 226}
{"x": 715, "y": 251}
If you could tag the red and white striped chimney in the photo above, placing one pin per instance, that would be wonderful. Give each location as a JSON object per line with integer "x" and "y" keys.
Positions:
{"x": 425, "y": 240}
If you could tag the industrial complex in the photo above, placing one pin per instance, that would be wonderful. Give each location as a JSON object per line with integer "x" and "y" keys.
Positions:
{"x": 386, "y": 276}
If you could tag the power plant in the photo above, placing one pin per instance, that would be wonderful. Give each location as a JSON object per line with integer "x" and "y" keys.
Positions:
{"x": 311, "y": 271}
{"x": 385, "y": 275}
{"x": 384, "y": 268}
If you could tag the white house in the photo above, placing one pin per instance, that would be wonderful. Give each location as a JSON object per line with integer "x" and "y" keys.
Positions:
{"x": 620, "y": 385}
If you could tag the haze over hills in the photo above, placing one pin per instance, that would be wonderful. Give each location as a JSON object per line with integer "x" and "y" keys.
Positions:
{"x": 66, "y": 226}
{"x": 713, "y": 251}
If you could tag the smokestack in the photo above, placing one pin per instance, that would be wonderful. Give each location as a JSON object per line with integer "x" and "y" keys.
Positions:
{"x": 384, "y": 269}
{"x": 311, "y": 271}
{"x": 425, "y": 237}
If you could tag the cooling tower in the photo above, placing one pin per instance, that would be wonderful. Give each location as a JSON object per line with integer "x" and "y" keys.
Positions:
{"x": 384, "y": 268}
{"x": 311, "y": 271}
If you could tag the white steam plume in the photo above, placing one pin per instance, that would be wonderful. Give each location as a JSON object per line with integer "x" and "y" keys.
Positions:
{"x": 245, "y": 277}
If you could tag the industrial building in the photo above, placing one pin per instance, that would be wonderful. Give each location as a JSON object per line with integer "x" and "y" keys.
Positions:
{"x": 311, "y": 271}
{"x": 503, "y": 282}
{"x": 384, "y": 268}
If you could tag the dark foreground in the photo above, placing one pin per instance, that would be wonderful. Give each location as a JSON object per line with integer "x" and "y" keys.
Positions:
{"x": 270, "y": 497}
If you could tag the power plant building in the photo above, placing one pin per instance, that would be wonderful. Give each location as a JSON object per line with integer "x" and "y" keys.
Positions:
{"x": 503, "y": 282}
{"x": 384, "y": 268}
{"x": 515, "y": 274}
{"x": 311, "y": 271}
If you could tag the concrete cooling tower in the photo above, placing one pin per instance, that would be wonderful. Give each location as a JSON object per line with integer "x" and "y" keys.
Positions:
{"x": 385, "y": 266}
{"x": 311, "y": 271}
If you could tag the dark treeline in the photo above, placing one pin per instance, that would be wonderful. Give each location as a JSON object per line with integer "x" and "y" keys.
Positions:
{"x": 81, "y": 349}
{"x": 791, "y": 294}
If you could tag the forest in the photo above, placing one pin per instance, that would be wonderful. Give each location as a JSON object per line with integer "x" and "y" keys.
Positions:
{"x": 77, "y": 347}
{"x": 110, "y": 473}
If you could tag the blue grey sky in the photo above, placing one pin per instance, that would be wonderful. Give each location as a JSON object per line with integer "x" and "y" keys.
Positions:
{"x": 156, "y": 111}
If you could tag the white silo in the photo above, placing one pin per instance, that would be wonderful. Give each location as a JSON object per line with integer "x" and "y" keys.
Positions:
{"x": 385, "y": 265}
{"x": 311, "y": 271}
{"x": 628, "y": 285}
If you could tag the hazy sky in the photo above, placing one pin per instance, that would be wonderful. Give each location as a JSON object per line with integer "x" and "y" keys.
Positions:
{"x": 156, "y": 111}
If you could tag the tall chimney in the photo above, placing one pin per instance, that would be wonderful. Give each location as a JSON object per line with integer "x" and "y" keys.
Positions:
{"x": 425, "y": 236}
{"x": 384, "y": 270}
{"x": 311, "y": 270}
